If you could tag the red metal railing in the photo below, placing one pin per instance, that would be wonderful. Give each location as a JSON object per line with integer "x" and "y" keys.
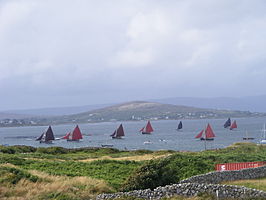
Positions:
{"x": 238, "y": 166}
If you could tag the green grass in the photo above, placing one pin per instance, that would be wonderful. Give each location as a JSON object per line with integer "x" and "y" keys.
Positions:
{"x": 259, "y": 184}
{"x": 113, "y": 172}
{"x": 11, "y": 175}
{"x": 72, "y": 154}
{"x": 127, "y": 175}
{"x": 180, "y": 166}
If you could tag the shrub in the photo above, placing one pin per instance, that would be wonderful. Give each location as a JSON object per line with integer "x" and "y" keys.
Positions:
{"x": 11, "y": 175}
{"x": 17, "y": 149}
{"x": 52, "y": 150}
{"x": 150, "y": 175}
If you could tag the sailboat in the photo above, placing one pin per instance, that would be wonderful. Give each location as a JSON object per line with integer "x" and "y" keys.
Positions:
{"x": 206, "y": 134}
{"x": 263, "y": 138}
{"x": 147, "y": 129}
{"x": 247, "y": 137}
{"x": 180, "y": 126}
{"x": 118, "y": 133}
{"x": 46, "y": 137}
{"x": 227, "y": 123}
{"x": 233, "y": 126}
{"x": 75, "y": 135}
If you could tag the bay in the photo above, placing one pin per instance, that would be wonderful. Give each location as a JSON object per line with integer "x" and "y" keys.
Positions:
{"x": 165, "y": 136}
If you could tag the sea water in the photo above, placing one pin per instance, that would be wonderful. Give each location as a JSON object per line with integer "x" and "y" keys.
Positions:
{"x": 164, "y": 137}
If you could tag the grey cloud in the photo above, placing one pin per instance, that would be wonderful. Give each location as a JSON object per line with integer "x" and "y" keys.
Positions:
{"x": 58, "y": 53}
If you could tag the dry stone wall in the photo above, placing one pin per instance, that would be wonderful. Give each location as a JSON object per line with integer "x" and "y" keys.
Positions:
{"x": 220, "y": 176}
{"x": 206, "y": 183}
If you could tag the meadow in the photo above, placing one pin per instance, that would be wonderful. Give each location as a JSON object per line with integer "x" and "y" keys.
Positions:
{"x": 77, "y": 174}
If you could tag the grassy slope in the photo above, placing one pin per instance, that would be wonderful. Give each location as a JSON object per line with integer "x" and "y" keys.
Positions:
{"x": 68, "y": 168}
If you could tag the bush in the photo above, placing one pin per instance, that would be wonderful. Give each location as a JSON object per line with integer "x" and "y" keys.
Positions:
{"x": 17, "y": 149}
{"x": 52, "y": 150}
{"x": 11, "y": 175}
{"x": 152, "y": 174}
{"x": 180, "y": 166}
{"x": 12, "y": 159}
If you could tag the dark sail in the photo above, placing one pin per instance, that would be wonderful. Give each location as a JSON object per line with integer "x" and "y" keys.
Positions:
{"x": 118, "y": 133}
{"x": 113, "y": 135}
{"x": 49, "y": 135}
{"x": 180, "y": 125}
{"x": 227, "y": 123}
{"x": 40, "y": 138}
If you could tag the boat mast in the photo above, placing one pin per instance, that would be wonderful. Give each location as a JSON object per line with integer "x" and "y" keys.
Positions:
{"x": 264, "y": 132}
{"x": 205, "y": 144}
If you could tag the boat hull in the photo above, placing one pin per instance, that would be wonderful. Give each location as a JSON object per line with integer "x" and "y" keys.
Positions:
{"x": 117, "y": 137}
{"x": 72, "y": 140}
{"x": 248, "y": 138}
{"x": 207, "y": 139}
{"x": 47, "y": 142}
{"x": 263, "y": 142}
{"x": 148, "y": 133}
{"x": 107, "y": 145}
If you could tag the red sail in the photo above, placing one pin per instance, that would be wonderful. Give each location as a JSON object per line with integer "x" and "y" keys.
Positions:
{"x": 66, "y": 137}
{"x": 209, "y": 132}
{"x": 200, "y": 134}
{"x": 148, "y": 128}
{"x": 234, "y": 125}
{"x": 142, "y": 129}
{"x": 76, "y": 134}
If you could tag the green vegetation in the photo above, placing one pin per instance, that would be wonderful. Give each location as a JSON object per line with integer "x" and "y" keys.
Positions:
{"x": 180, "y": 166}
{"x": 70, "y": 173}
{"x": 132, "y": 111}
{"x": 259, "y": 184}
{"x": 11, "y": 175}
{"x": 113, "y": 172}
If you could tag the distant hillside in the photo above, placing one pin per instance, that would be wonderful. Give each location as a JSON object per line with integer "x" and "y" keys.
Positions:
{"x": 141, "y": 110}
{"x": 250, "y": 103}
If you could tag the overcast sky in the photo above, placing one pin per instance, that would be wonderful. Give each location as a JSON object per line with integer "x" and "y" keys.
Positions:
{"x": 82, "y": 52}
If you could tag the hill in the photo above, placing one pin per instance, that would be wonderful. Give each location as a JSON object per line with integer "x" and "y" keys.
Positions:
{"x": 250, "y": 103}
{"x": 142, "y": 110}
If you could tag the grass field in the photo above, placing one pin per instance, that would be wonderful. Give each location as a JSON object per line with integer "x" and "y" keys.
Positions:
{"x": 28, "y": 173}
{"x": 259, "y": 184}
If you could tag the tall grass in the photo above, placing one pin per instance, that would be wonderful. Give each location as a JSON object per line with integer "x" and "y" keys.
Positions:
{"x": 54, "y": 187}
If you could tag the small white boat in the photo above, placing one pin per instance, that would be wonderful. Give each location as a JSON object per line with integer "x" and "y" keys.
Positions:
{"x": 147, "y": 142}
{"x": 263, "y": 137}
{"x": 107, "y": 145}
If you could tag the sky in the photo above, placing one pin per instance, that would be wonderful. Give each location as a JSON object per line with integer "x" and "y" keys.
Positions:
{"x": 70, "y": 53}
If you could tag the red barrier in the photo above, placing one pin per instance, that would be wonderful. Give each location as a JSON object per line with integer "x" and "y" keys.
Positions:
{"x": 238, "y": 166}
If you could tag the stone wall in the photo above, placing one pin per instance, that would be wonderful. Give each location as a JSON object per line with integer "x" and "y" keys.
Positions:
{"x": 220, "y": 176}
{"x": 206, "y": 183}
